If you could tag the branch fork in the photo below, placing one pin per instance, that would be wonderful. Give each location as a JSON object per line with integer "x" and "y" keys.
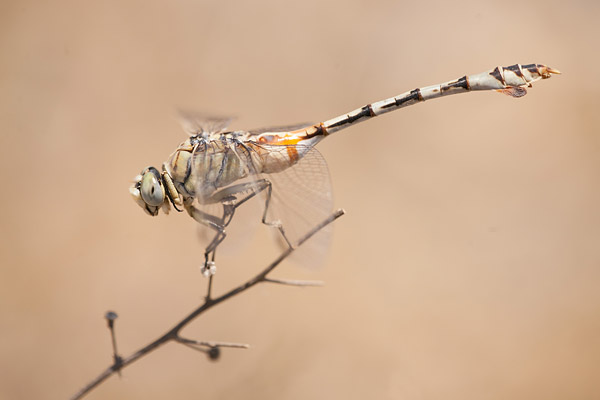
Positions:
{"x": 212, "y": 349}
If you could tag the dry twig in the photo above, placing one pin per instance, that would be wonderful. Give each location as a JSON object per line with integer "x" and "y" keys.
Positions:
{"x": 211, "y": 348}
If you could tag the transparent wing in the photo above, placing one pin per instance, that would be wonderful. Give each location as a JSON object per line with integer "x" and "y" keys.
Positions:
{"x": 302, "y": 198}
{"x": 298, "y": 197}
{"x": 195, "y": 123}
{"x": 202, "y": 124}
{"x": 213, "y": 161}
{"x": 282, "y": 128}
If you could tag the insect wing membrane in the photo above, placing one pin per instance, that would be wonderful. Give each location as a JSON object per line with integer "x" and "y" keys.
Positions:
{"x": 194, "y": 123}
{"x": 301, "y": 199}
{"x": 214, "y": 163}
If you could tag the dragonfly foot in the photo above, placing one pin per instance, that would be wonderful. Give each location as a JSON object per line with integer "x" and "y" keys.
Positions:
{"x": 208, "y": 269}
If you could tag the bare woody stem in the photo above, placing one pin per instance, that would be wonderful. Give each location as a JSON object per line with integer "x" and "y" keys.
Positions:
{"x": 173, "y": 333}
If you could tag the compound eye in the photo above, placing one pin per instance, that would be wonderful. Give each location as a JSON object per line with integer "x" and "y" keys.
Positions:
{"x": 151, "y": 188}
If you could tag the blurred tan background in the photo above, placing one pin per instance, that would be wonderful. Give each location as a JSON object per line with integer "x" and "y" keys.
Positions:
{"x": 467, "y": 266}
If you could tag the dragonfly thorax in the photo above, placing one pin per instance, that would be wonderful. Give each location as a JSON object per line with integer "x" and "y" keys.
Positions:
{"x": 203, "y": 164}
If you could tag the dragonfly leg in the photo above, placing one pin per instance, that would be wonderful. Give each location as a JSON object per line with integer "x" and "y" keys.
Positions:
{"x": 276, "y": 223}
{"x": 253, "y": 189}
{"x": 210, "y": 279}
{"x": 228, "y": 212}
{"x": 215, "y": 223}
{"x": 230, "y": 194}
{"x": 228, "y": 197}
{"x": 231, "y": 198}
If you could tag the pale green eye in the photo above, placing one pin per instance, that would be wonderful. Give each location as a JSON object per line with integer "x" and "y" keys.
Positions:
{"x": 151, "y": 189}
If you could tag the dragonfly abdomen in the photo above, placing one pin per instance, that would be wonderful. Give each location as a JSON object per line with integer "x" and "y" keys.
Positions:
{"x": 511, "y": 80}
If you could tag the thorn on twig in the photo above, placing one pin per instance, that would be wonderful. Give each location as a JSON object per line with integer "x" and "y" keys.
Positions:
{"x": 111, "y": 316}
{"x": 212, "y": 349}
{"x": 294, "y": 282}
{"x": 214, "y": 353}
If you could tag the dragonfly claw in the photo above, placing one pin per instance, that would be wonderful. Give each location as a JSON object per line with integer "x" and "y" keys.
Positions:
{"x": 208, "y": 269}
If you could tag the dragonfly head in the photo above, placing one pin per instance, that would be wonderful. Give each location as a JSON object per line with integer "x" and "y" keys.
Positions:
{"x": 148, "y": 191}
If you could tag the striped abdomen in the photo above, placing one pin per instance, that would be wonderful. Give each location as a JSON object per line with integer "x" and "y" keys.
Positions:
{"x": 510, "y": 80}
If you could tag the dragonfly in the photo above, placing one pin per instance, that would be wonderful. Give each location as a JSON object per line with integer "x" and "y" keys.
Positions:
{"x": 215, "y": 170}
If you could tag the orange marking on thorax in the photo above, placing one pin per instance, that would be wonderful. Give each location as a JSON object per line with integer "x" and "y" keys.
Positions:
{"x": 292, "y": 153}
{"x": 281, "y": 139}
{"x": 290, "y": 140}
